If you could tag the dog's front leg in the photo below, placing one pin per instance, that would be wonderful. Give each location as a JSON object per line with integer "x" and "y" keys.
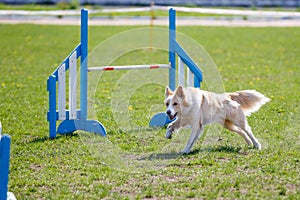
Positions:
{"x": 174, "y": 126}
{"x": 196, "y": 132}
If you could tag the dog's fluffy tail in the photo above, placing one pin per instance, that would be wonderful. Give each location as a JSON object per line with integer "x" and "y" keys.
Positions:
{"x": 249, "y": 100}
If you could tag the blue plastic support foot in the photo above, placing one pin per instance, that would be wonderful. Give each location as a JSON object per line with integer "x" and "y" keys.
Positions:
{"x": 160, "y": 120}
{"x": 93, "y": 126}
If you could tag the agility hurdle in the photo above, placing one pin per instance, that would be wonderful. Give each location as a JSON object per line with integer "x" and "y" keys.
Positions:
{"x": 194, "y": 74}
{"x": 72, "y": 119}
{"x": 4, "y": 164}
{"x": 76, "y": 119}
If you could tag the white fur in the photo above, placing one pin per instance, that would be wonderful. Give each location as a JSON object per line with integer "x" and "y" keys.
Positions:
{"x": 197, "y": 108}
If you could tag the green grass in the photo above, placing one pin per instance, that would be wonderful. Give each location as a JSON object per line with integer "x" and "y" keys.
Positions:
{"x": 29, "y": 7}
{"x": 62, "y": 5}
{"x": 265, "y": 59}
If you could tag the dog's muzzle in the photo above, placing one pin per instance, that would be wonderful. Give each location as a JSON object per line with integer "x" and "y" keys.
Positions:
{"x": 169, "y": 113}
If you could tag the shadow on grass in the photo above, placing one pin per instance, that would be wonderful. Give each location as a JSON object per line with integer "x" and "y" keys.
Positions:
{"x": 161, "y": 156}
{"x": 165, "y": 156}
{"x": 226, "y": 149}
{"x": 133, "y": 131}
{"x": 58, "y": 137}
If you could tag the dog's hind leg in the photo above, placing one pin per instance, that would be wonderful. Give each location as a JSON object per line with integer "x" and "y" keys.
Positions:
{"x": 196, "y": 132}
{"x": 239, "y": 119}
{"x": 243, "y": 124}
{"x": 230, "y": 126}
{"x": 247, "y": 129}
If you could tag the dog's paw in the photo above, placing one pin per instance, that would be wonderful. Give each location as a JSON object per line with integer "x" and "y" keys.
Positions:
{"x": 257, "y": 145}
{"x": 169, "y": 134}
{"x": 185, "y": 151}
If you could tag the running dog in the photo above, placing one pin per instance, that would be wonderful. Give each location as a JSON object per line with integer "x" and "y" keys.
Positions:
{"x": 197, "y": 108}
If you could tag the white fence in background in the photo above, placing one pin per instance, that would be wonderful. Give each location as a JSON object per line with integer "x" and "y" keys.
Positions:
{"x": 240, "y": 12}
{"x": 231, "y": 3}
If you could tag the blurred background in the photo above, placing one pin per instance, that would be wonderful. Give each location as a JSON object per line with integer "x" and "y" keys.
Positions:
{"x": 231, "y": 3}
{"x": 154, "y": 12}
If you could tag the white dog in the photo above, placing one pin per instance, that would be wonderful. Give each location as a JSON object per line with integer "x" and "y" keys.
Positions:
{"x": 197, "y": 108}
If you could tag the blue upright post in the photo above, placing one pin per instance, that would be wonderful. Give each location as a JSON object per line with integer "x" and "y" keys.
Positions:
{"x": 172, "y": 56}
{"x": 197, "y": 81}
{"x": 4, "y": 165}
{"x": 161, "y": 119}
{"x": 51, "y": 86}
{"x": 84, "y": 61}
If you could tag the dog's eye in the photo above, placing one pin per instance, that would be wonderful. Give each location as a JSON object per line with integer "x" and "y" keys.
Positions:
{"x": 174, "y": 104}
{"x": 167, "y": 104}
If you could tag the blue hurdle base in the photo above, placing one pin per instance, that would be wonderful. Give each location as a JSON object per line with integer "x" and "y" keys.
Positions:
{"x": 93, "y": 126}
{"x": 160, "y": 120}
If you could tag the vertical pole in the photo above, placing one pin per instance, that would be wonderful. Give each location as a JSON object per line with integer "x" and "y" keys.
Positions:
{"x": 51, "y": 85}
{"x": 83, "y": 63}
{"x": 4, "y": 165}
{"x": 190, "y": 78}
{"x": 151, "y": 25}
{"x": 172, "y": 38}
{"x": 73, "y": 86}
{"x": 197, "y": 83}
{"x": 181, "y": 72}
{"x": 61, "y": 73}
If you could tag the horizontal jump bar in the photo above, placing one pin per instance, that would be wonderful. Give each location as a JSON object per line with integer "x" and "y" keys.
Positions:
{"x": 129, "y": 67}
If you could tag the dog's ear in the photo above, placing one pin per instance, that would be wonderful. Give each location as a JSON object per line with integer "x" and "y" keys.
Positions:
{"x": 179, "y": 92}
{"x": 168, "y": 91}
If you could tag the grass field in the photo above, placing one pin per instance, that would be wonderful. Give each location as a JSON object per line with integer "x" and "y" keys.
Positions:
{"x": 265, "y": 59}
